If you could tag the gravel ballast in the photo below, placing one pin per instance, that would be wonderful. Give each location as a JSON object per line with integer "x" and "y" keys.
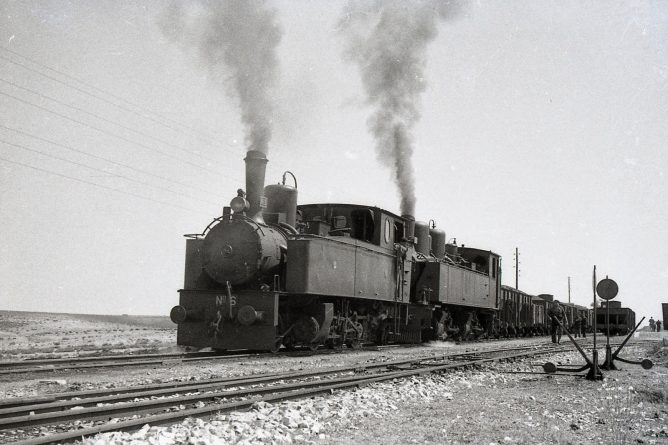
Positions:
{"x": 490, "y": 405}
{"x": 499, "y": 403}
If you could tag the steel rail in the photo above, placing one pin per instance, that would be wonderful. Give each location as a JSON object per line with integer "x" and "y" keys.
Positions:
{"x": 59, "y": 401}
{"x": 100, "y": 358}
{"x": 276, "y": 393}
{"x": 23, "y": 366}
{"x": 27, "y": 404}
{"x": 123, "y": 362}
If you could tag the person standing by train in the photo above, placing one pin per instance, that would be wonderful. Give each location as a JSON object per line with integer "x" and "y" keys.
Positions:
{"x": 652, "y": 324}
{"x": 557, "y": 315}
{"x": 575, "y": 327}
{"x": 658, "y": 325}
{"x": 583, "y": 326}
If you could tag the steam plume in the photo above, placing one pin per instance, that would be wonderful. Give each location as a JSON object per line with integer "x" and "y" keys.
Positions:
{"x": 388, "y": 40}
{"x": 237, "y": 40}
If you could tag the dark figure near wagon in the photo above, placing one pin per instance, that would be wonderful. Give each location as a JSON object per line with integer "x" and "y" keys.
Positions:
{"x": 557, "y": 316}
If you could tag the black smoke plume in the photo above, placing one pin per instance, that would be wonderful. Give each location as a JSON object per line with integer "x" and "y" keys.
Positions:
{"x": 237, "y": 41}
{"x": 388, "y": 40}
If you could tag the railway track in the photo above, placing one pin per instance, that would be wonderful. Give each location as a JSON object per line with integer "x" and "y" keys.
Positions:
{"x": 111, "y": 361}
{"x": 117, "y": 409}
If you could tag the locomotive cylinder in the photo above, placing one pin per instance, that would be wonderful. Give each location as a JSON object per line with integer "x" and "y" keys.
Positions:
{"x": 256, "y": 165}
{"x": 437, "y": 243}
{"x": 423, "y": 238}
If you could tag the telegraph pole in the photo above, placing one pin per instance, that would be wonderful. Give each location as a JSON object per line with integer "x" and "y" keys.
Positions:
{"x": 569, "y": 290}
{"x": 517, "y": 268}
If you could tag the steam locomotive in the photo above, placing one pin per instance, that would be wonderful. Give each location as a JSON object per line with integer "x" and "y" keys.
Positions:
{"x": 270, "y": 273}
{"x": 619, "y": 320}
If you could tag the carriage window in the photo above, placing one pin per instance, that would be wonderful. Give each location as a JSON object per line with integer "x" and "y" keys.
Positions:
{"x": 388, "y": 227}
{"x": 494, "y": 266}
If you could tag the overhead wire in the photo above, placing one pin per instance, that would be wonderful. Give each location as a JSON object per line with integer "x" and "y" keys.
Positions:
{"x": 97, "y": 116}
{"x": 239, "y": 180}
{"x": 89, "y": 85}
{"x": 101, "y": 186}
{"x": 96, "y": 96}
{"x": 93, "y": 87}
{"x": 108, "y": 133}
{"x": 233, "y": 177}
{"x": 102, "y": 158}
{"x": 116, "y": 175}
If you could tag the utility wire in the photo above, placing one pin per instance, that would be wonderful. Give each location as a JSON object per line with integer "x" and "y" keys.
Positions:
{"x": 111, "y": 161}
{"x": 101, "y": 186}
{"x": 213, "y": 144}
{"x": 110, "y": 133}
{"x": 97, "y": 116}
{"x": 124, "y": 108}
{"x": 117, "y": 97}
{"x": 23, "y": 147}
{"x": 216, "y": 172}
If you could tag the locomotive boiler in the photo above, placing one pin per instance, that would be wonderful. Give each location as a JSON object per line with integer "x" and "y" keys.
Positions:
{"x": 269, "y": 273}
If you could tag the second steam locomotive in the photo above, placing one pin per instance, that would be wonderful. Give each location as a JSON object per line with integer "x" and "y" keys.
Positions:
{"x": 271, "y": 273}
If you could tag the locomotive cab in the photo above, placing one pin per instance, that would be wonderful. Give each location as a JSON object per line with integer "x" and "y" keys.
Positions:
{"x": 369, "y": 224}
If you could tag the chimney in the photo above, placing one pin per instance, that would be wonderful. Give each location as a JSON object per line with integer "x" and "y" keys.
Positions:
{"x": 256, "y": 164}
{"x": 409, "y": 231}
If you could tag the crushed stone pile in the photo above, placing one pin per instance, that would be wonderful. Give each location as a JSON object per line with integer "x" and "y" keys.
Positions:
{"x": 301, "y": 421}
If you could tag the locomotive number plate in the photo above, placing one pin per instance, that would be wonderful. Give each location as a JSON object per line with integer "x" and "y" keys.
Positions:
{"x": 222, "y": 299}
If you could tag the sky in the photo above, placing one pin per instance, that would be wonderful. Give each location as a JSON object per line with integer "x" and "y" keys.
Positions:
{"x": 543, "y": 127}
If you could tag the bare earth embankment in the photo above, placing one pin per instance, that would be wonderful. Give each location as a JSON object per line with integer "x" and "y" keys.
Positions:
{"x": 45, "y": 335}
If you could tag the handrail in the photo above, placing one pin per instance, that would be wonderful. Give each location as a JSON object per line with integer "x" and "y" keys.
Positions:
{"x": 291, "y": 174}
{"x": 217, "y": 220}
{"x": 206, "y": 229}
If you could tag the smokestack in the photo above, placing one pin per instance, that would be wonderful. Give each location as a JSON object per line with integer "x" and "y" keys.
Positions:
{"x": 410, "y": 227}
{"x": 256, "y": 165}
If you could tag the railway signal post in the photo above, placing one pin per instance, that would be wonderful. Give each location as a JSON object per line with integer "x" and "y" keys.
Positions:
{"x": 592, "y": 365}
{"x": 607, "y": 289}
{"x": 594, "y": 372}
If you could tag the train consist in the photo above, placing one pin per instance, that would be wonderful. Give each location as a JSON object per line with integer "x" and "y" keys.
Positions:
{"x": 521, "y": 314}
{"x": 271, "y": 273}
